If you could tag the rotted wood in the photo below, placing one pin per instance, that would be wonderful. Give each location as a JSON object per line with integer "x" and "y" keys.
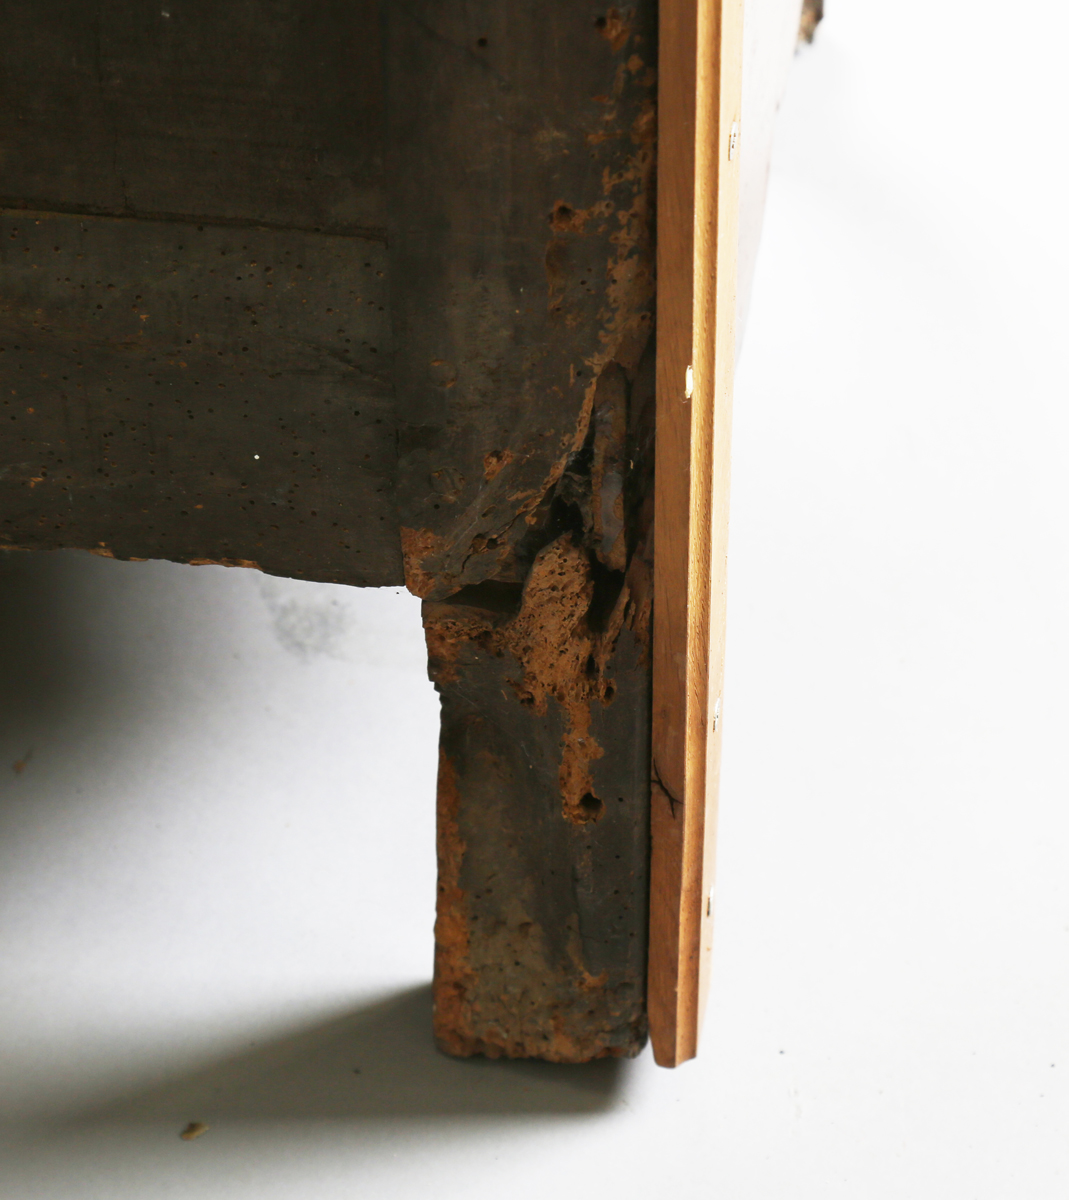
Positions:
{"x": 521, "y": 155}
{"x": 276, "y": 296}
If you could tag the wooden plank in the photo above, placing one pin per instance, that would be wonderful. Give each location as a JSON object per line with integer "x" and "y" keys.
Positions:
{"x": 194, "y": 312}
{"x": 697, "y": 231}
{"x": 197, "y": 392}
{"x": 521, "y": 171}
{"x": 261, "y": 111}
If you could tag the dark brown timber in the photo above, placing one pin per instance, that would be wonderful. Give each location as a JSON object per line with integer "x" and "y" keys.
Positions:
{"x": 521, "y": 170}
{"x": 365, "y": 293}
{"x": 195, "y": 339}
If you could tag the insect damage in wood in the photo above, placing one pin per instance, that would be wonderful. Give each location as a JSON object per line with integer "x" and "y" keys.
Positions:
{"x": 560, "y": 645}
{"x": 526, "y": 504}
{"x": 542, "y": 880}
{"x": 198, "y": 393}
{"x": 542, "y": 796}
{"x": 516, "y": 340}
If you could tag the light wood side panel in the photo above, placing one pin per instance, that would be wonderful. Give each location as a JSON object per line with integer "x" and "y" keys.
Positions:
{"x": 700, "y": 74}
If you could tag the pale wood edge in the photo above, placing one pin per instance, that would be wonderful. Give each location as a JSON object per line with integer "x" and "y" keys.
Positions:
{"x": 700, "y": 88}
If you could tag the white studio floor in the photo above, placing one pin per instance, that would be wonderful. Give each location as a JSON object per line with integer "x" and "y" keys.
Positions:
{"x": 216, "y": 788}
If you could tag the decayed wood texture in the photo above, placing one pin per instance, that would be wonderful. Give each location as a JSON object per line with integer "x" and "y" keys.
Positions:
{"x": 195, "y": 337}
{"x": 698, "y": 155}
{"x": 521, "y": 171}
{"x": 214, "y": 349}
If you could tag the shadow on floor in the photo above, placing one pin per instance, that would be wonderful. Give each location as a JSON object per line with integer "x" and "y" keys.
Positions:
{"x": 377, "y": 1062}
{"x": 42, "y": 666}
{"x": 85, "y": 644}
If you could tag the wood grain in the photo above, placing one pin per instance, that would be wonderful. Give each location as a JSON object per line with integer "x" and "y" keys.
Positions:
{"x": 195, "y": 334}
{"x": 520, "y": 152}
{"x": 259, "y": 111}
{"x": 520, "y": 156}
{"x": 197, "y": 392}
{"x": 700, "y": 72}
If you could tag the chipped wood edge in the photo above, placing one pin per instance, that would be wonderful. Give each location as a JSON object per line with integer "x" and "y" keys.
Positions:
{"x": 700, "y": 88}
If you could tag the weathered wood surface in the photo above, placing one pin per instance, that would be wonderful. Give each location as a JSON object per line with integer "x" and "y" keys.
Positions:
{"x": 214, "y": 349}
{"x": 521, "y": 177}
{"x": 261, "y": 111}
{"x": 542, "y": 818}
{"x": 212, "y": 385}
{"x": 197, "y": 391}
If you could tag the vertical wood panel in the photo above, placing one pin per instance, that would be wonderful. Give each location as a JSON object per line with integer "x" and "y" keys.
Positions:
{"x": 700, "y": 71}
{"x": 520, "y": 166}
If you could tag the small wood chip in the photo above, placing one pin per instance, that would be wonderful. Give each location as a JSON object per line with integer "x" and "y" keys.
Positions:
{"x": 193, "y": 1130}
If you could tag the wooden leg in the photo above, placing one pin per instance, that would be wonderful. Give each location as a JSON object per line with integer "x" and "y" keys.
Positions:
{"x": 521, "y": 174}
{"x": 543, "y": 786}
{"x": 543, "y": 808}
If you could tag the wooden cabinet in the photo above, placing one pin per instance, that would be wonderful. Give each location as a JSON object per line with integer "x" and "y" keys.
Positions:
{"x": 419, "y": 293}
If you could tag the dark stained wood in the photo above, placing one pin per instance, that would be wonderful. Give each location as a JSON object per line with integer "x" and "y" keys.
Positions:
{"x": 168, "y": 310}
{"x": 520, "y": 169}
{"x": 410, "y": 269}
{"x": 262, "y": 111}
{"x": 543, "y": 808}
{"x": 197, "y": 392}
{"x": 520, "y": 173}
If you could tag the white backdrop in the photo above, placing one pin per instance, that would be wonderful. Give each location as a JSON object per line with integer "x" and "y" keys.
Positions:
{"x": 216, "y": 789}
